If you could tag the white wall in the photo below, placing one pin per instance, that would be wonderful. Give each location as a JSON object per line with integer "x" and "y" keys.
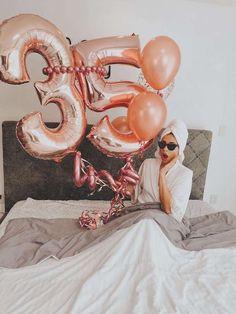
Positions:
{"x": 205, "y": 93}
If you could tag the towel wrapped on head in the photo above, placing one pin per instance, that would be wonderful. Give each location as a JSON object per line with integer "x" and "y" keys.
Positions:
{"x": 179, "y": 130}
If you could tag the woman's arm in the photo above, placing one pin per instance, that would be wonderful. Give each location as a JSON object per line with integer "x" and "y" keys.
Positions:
{"x": 164, "y": 193}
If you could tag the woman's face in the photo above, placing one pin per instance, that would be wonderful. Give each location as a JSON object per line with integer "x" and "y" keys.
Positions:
{"x": 166, "y": 154}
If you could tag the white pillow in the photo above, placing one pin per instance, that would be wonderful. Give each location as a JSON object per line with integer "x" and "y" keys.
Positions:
{"x": 198, "y": 208}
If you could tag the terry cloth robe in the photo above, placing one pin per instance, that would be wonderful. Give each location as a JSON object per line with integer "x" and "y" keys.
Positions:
{"x": 179, "y": 177}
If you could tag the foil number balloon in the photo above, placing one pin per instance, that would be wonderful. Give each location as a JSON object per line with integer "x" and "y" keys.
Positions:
{"x": 30, "y": 33}
{"x": 69, "y": 89}
{"x": 72, "y": 88}
{"x": 101, "y": 95}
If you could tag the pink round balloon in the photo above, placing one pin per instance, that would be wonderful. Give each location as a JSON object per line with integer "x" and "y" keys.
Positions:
{"x": 160, "y": 61}
{"x": 146, "y": 115}
{"x": 121, "y": 124}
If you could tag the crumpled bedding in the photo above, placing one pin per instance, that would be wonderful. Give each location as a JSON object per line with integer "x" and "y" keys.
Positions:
{"x": 28, "y": 241}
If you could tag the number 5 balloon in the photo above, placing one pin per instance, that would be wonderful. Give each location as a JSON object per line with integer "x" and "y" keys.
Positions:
{"x": 104, "y": 95}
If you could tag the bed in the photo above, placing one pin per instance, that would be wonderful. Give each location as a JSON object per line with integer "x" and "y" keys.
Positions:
{"x": 40, "y": 179}
{"x": 134, "y": 270}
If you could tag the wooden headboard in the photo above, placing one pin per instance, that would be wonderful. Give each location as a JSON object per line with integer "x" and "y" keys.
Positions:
{"x": 25, "y": 176}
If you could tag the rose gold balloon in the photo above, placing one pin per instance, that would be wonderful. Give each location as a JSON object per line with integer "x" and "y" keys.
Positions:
{"x": 121, "y": 124}
{"x": 19, "y": 36}
{"x": 113, "y": 143}
{"x": 146, "y": 115}
{"x": 160, "y": 61}
{"x": 99, "y": 94}
{"x": 91, "y": 175}
{"x": 79, "y": 179}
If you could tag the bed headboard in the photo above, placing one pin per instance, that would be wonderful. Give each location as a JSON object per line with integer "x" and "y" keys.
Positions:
{"x": 25, "y": 176}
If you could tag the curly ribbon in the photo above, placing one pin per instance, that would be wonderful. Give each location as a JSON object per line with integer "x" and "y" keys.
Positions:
{"x": 127, "y": 175}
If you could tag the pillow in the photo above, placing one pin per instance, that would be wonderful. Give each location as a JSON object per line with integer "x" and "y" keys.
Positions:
{"x": 198, "y": 208}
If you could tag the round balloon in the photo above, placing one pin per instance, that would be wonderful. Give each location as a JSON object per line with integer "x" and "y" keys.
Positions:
{"x": 160, "y": 61}
{"x": 121, "y": 124}
{"x": 146, "y": 115}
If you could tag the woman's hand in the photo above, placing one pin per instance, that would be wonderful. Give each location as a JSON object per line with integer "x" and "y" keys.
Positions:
{"x": 130, "y": 188}
{"x": 164, "y": 169}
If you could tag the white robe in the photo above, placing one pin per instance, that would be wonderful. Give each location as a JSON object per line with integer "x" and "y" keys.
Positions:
{"x": 179, "y": 182}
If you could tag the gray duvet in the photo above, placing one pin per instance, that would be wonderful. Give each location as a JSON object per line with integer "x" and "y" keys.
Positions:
{"x": 28, "y": 241}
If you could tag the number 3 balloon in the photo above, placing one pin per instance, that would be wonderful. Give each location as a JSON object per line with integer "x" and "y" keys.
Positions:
{"x": 30, "y": 33}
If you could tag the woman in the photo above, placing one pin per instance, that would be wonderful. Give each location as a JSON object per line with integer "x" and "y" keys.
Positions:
{"x": 164, "y": 179}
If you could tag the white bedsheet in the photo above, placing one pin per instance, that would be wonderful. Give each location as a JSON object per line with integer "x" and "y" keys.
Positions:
{"x": 136, "y": 270}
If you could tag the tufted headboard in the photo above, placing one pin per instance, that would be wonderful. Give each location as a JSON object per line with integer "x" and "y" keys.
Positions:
{"x": 25, "y": 176}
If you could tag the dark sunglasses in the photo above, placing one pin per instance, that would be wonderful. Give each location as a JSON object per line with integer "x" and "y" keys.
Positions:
{"x": 170, "y": 146}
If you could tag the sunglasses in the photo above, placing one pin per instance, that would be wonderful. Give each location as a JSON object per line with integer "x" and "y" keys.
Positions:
{"x": 170, "y": 146}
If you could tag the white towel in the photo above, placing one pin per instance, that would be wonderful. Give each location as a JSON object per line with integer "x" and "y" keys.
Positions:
{"x": 180, "y": 131}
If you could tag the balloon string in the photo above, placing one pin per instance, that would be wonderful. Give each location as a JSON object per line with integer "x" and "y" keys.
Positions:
{"x": 92, "y": 219}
